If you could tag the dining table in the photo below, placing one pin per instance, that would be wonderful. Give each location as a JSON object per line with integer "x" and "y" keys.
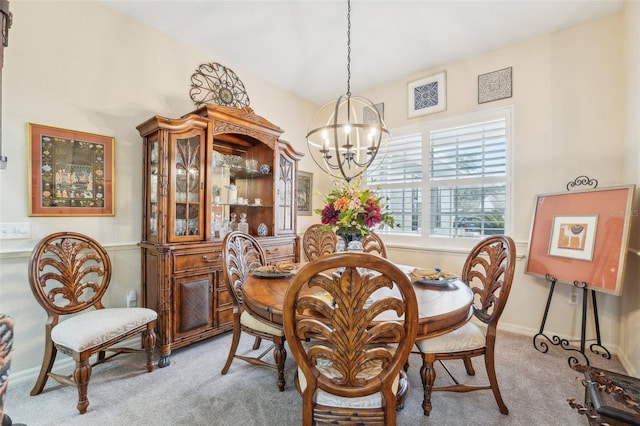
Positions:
{"x": 441, "y": 309}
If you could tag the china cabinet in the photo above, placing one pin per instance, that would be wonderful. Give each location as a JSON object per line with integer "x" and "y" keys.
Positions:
{"x": 211, "y": 171}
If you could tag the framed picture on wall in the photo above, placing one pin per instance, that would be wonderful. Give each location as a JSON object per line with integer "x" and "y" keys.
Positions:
{"x": 369, "y": 114}
{"x": 427, "y": 95}
{"x": 495, "y": 85}
{"x": 304, "y": 193}
{"x": 71, "y": 172}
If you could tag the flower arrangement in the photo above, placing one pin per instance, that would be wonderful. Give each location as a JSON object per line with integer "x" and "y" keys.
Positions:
{"x": 350, "y": 209}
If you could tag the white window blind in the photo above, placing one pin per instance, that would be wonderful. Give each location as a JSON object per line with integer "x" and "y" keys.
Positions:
{"x": 399, "y": 177}
{"x": 467, "y": 173}
{"x": 450, "y": 177}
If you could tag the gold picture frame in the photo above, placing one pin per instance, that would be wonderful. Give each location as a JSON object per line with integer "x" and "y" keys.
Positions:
{"x": 71, "y": 172}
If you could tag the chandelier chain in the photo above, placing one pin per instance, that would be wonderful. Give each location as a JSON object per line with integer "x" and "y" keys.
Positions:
{"x": 347, "y": 134}
{"x": 349, "y": 48}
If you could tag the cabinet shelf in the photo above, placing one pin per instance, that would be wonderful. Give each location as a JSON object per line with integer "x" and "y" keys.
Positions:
{"x": 255, "y": 206}
{"x": 239, "y": 173}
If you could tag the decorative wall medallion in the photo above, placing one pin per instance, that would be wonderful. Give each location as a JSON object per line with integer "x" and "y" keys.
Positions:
{"x": 215, "y": 83}
{"x": 369, "y": 115}
{"x": 495, "y": 85}
{"x": 262, "y": 230}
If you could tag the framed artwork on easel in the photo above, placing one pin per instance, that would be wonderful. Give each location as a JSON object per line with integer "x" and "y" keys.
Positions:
{"x": 582, "y": 236}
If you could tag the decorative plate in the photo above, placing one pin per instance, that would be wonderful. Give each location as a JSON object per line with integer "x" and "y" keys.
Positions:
{"x": 439, "y": 284}
{"x": 262, "y": 230}
{"x": 265, "y": 169}
{"x": 271, "y": 274}
{"x": 214, "y": 83}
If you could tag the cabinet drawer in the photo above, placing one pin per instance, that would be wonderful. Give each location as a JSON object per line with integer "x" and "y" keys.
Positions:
{"x": 193, "y": 261}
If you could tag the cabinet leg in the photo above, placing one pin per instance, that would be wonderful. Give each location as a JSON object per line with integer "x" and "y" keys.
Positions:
{"x": 165, "y": 356}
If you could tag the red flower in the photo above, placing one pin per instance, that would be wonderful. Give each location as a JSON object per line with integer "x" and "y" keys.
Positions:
{"x": 329, "y": 215}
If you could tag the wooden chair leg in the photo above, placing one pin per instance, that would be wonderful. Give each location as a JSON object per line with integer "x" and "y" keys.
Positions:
{"x": 48, "y": 359}
{"x": 257, "y": 343}
{"x": 428, "y": 375}
{"x": 469, "y": 366}
{"x": 280, "y": 356}
{"x": 234, "y": 345}
{"x": 149, "y": 343}
{"x": 493, "y": 380}
{"x": 81, "y": 376}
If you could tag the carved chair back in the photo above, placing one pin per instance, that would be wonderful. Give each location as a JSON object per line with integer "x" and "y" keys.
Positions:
{"x": 372, "y": 243}
{"x": 317, "y": 242}
{"x": 69, "y": 272}
{"x": 340, "y": 317}
{"x": 489, "y": 271}
{"x": 240, "y": 254}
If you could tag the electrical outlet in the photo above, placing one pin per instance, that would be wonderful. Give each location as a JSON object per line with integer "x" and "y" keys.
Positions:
{"x": 132, "y": 299}
{"x": 14, "y": 231}
{"x": 573, "y": 297}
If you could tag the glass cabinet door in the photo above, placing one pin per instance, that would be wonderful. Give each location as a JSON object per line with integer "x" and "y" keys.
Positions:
{"x": 285, "y": 191}
{"x": 153, "y": 197}
{"x": 188, "y": 191}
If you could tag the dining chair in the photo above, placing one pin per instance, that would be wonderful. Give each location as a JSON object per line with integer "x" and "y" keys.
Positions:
{"x": 372, "y": 243}
{"x": 6, "y": 346}
{"x": 488, "y": 271}
{"x": 69, "y": 273}
{"x": 349, "y": 343}
{"x": 317, "y": 242}
{"x": 241, "y": 253}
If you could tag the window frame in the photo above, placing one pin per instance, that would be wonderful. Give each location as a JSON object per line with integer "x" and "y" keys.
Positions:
{"x": 425, "y": 240}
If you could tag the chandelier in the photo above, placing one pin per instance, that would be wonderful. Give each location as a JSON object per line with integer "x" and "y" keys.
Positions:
{"x": 345, "y": 135}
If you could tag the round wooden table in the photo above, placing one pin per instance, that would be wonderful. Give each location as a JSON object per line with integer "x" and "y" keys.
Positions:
{"x": 440, "y": 310}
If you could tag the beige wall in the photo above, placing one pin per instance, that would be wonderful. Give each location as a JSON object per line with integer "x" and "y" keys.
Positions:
{"x": 569, "y": 100}
{"x": 630, "y": 312}
{"x": 107, "y": 73}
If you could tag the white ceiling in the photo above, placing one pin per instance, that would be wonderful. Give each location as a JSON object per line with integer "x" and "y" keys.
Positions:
{"x": 301, "y": 45}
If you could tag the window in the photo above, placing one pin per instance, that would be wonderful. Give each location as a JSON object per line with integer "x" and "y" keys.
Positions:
{"x": 448, "y": 179}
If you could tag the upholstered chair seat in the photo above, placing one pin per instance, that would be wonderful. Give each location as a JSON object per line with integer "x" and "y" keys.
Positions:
{"x": 94, "y": 328}
{"x": 247, "y": 320}
{"x": 466, "y": 338}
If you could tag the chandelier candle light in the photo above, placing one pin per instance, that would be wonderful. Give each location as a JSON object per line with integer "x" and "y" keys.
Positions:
{"x": 345, "y": 135}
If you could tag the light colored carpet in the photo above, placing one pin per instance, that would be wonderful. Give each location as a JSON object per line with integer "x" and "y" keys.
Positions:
{"x": 191, "y": 391}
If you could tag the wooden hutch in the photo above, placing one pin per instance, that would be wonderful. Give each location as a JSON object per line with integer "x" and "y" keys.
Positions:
{"x": 188, "y": 188}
